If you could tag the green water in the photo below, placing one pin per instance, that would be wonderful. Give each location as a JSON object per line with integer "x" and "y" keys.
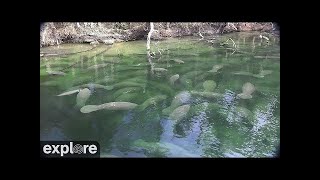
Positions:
{"x": 219, "y": 126}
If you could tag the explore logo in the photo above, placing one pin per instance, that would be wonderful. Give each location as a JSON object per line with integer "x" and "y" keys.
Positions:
{"x": 69, "y": 149}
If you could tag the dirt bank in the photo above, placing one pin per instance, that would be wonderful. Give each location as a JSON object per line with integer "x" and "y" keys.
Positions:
{"x": 53, "y": 33}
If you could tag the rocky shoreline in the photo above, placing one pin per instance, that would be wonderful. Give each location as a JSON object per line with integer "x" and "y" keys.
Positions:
{"x": 55, "y": 33}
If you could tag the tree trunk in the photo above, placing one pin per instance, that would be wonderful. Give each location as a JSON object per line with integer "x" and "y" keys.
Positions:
{"x": 149, "y": 36}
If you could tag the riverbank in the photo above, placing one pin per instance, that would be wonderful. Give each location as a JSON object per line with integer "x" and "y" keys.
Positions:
{"x": 55, "y": 33}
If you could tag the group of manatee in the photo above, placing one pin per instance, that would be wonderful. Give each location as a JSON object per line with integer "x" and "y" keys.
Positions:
{"x": 181, "y": 102}
{"x": 179, "y": 106}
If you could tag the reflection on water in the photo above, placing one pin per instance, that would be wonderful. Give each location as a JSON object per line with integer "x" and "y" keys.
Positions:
{"x": 217, "y": 122}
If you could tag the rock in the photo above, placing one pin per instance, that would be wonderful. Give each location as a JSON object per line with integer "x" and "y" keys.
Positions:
{"x": 108, "y": 41}
{"x": 94, "y": 43}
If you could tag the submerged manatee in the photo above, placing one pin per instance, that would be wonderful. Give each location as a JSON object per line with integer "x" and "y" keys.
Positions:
{"x": 210, "y": 95}
{"x": 178, "y": 61}
{"x": 260, "y": 75}
{"x": 125, "y": 90}
{"x": 174, "y": 78}
{"x": 56, "y": 73}
{"x": 265, "y": 72}
{"x": 245, "y": 113}
{"x": 209, "y": 85}
{"x": 161, "y": 149}
{"x": 216, "y": 68}
{"x": 161, "y": 87}
{"x": 127, "y": 97}
{"x": 82, "y": 97}
{"x": 160, "y": 69}
{"x": 151, "y": 148}
{"x": 247, "y": 90}
{"x": 97, "y": 66}
{"x": 180, "y": 99}
{"x": 151, "y": 101}
{"x": 109, "y": 106}
{"x": 128, "y": 84}
{"x": 92, "y": 86}
{"x": 180, "y": 113}
{"x": 177, "y": 151}
{"x": 69, "y": 92}
{"x": 187, "y": 83}
{"x": 243, "y": 73}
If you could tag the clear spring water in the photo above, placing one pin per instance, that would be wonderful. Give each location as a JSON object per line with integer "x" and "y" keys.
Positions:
{"x": 211, "y": 127}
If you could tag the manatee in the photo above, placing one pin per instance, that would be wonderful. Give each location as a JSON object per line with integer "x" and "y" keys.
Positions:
{"x": 141, "y": 64}
{"x": 243, "y": 73}
{"x": 202, "y": 76}
{"x": 109, "y": 106}
{"x": 82, "y": 97}
{"x": 151, "y": 101}
{"x": 69, "y": 92}
{"x": 247, "y": 90}
{"x": 177, "y": 151}
{"x": 178, "y": 61}
{"x": 192, "y": 74}
{"x": 210, "y": 95}
{"x": 244, "y": 96}
{"x": 187, "y": 83}
{"x": 209, "y": 85}
{"x": 127, "y": 97}
{"x": 105, "y": 80}
{"x": 216, "y": 68}
{"x": 125, "y": 90}
{"x": 244, "y": 113}
{"x": 128, "y": 84}
{"x": 112, "y": 61}
{"x": 180, "y": 99}
{"x": 160, "y": 69}
{"x": 173, "y": 79}
{"x": 197, "y": 109}
{"x": 97, "y": 86}
{"x": 265, "y": 72}
{"x": 50, "y": 83}
{"x": 180, "y": 112}
{"x": 137, "y": 79}
{"x": 161, "y": 87}
{"x": 151, "y": 148}
{"x": 97, "y": 66}
{"x": 260, "y": 75}
{"x": 92, "y": 86}
{"x": 56, "y": 73}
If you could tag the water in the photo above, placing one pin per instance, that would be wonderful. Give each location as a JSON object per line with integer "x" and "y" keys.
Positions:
{"x": 224, "y": 126}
